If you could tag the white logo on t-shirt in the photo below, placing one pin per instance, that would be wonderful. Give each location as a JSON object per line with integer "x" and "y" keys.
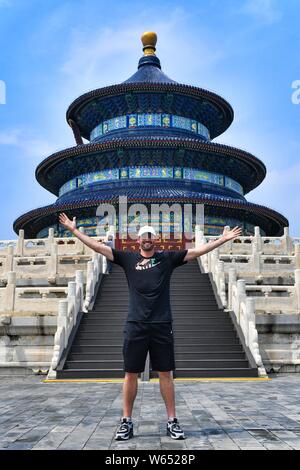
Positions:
{"x": 146, "y": 264}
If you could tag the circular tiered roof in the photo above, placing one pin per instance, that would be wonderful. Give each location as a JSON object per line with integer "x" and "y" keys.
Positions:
{"x": 58, "y": 168}
{"x": 96, "y": 106}
{"x": 269, "y": 220}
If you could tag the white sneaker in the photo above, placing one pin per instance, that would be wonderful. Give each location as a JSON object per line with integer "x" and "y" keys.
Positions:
{"x": 125, "y": 430}
{"x": 174, "y": 430}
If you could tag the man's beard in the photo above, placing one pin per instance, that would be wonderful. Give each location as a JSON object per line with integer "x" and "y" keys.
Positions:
{"x": 149, "y": 246}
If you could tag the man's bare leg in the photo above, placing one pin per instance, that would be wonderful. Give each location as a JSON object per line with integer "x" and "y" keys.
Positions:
{"x": 167, "y": 391}
{"x": 130, "y": 387}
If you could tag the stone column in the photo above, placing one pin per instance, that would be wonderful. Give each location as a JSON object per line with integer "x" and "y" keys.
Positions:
{"x": 20, "y": 243}
{"x": 297, "y": 287}
{"x": 213, "y": 257}
{"x": 53, "y": 265}
{"x": 200, "y": 240}
{"x": 62, "y": 321}
{"x": 82, "y": 248}
{"x": 256, "y": 257}
{"x": 297, "y": 256}
{"x": 257, "y": 238}
{"x": 250, "y": 315}
{"x": 49, "y": 241}
{"x": 288, "y": 241}
{"x": 89, "y": 283}
{"x": 9, "y": 266}
{"x": 221, "y": 283}
{"x": 231, "y": 281}
{"x": 79, "y": 277}
{"x": 10, "y": 292}
{"x": 72, "y": 301}
{"x": 241, "y": 294}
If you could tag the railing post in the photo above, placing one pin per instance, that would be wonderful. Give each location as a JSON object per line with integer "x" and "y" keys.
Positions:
{"x": 221, "y": 283}
{"x": 10, "y": 292}
{"x": 257, "y": 238}
{"x": 297, "y": 287}
{"x": 256, "y": 257}
{"x": 297, "y": 256}
{"x": 288, "y": 242}
{"x": 9, "y": 266}
{"x": 82, "y": 248}
{"x": 199, "y": 241}
{"x": 53, "y": 265}
{"x": 241, "y": 293}
{"x": 62, "y": 319}
{"x": 89, "y": 284}
{"x": 79, "y": 278}
{"x": 20, "y": 243}
{"x": 50, "y": 240}
{"x": 214, "y": 257}
{"x": 231, "y": 281}
{"x": 252, "y": 335}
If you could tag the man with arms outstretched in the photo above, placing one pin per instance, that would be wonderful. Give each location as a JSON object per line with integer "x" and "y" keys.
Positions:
{"x": 149, "y": 321}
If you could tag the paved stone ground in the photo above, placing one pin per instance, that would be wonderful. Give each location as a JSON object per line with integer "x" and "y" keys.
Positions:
{"x": 215, "y": 415}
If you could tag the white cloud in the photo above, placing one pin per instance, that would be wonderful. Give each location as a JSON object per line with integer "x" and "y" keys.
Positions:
{"x": 263, "y": 11}
{"x": 29, "y": 145}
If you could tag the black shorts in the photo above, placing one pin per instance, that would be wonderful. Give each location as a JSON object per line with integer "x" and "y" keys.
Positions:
{"x": 157, "y": 338}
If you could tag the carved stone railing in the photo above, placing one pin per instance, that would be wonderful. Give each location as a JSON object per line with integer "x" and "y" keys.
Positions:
{"x": 253, "y": 256}
{"x": 75, "y": 302}
{"x": 44, "y": 246}
{"x": 97, "y": 266}
{"x": 277, "y": 299}
{"x": 45, "y": 259}
{"x": 67, "y": 316}
{"x": 244, "y": 310}
{"x": 37, "y": 300}
{"x": 284, "y": 245}
{"x": 46, "y": 267}
{"x": 256, "y": 263}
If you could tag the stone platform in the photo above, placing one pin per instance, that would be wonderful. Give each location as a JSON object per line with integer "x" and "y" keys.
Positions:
{"x": 221, "y": 414}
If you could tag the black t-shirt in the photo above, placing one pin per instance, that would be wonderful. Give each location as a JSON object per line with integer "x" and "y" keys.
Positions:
{"x": 149, "y": 283}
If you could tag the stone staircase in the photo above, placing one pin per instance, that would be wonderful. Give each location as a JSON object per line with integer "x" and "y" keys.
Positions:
{"x": 207, "y": 343}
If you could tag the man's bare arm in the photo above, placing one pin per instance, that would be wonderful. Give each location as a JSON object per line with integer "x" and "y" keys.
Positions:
{"x": 88, "y": 241}
{"x": 205, "y": 248}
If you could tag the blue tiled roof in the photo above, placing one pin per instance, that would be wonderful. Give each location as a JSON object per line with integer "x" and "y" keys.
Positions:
{"x": 144, "y": 189}
{"x": 149, "y": 70}
{"x": 146, "y": 192}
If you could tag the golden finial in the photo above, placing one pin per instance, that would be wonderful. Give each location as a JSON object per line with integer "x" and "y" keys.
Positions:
{"x": 149, "y": 41}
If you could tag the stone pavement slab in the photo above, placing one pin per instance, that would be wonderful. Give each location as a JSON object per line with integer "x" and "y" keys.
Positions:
{"x": 238, "y": 415}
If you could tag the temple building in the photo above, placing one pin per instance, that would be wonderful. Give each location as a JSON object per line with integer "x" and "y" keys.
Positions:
{"x": 151, "y": 140}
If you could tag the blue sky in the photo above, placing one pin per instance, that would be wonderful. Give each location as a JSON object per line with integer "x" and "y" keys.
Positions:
{"x": 53, "y": 51}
